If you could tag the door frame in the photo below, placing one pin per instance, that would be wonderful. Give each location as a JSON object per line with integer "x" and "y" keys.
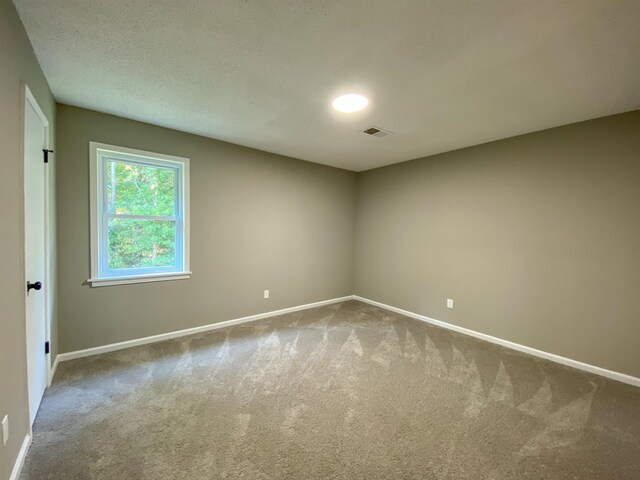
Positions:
{"x": 29, "y": 99}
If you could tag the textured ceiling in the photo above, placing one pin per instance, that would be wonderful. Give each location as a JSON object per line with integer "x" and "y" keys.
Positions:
{"x": 439, "y": 74}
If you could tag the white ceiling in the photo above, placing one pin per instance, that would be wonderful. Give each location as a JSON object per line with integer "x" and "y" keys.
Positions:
{"x": 441, "y": 74}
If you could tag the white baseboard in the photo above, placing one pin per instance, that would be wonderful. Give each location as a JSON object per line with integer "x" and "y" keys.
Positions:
{"x": 621, "y": 377}
{"x": 22, "y": 454}
{"x": 55, "y": 367}
{"x": 62, "y": 357}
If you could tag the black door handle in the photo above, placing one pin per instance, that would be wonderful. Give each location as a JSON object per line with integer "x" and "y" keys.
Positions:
{"x": 35, "y": 286}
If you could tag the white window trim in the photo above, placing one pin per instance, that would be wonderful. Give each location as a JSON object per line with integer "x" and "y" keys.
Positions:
{"x": 94, "y": 191}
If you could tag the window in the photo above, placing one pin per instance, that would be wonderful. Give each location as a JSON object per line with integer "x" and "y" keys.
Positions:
{"x": 139, "y": 216}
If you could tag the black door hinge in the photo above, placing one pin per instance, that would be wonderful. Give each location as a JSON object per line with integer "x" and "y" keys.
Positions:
{"x": 46, "y": 154}
{"x": 47, "y": 348}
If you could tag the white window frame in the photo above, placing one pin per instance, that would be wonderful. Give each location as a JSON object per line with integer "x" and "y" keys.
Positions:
{"x": 100, "y": 274}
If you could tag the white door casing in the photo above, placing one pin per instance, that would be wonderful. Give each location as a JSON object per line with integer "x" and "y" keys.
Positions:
{"x": 36, "y": 250}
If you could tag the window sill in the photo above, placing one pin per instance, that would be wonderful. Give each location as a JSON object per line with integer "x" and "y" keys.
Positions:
{"x": 154, "y": 277}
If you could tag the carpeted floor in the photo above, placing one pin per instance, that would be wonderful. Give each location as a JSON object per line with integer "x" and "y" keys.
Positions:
{"x": 345, "y": 391}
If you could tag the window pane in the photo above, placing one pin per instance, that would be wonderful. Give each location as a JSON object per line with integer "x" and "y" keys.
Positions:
{"x": 140, "y": 189}
{"x": 136, "y": 243}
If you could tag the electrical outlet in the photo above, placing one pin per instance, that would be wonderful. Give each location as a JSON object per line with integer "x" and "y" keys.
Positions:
{"x": 449, "y": 303}
{"x": 266, "y": 294}
{"x": 5, "y": 430}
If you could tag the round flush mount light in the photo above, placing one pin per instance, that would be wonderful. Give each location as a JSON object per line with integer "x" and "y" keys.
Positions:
{"x": 349, "y": 103}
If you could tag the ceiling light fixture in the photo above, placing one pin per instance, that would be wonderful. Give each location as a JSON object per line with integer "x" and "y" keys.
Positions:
{"x": 349, "y": 103}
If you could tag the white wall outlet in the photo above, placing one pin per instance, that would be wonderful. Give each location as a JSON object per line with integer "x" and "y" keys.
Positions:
{"x": 266, "y": 294}
{"x": 5, "y": 430}
{"x": 449, "y": 303}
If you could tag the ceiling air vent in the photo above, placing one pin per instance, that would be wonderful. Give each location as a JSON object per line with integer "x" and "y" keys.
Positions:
{"x": 376, "y": 132}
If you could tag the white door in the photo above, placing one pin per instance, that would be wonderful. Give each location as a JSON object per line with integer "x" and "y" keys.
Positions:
{"x": 35, "y": 131}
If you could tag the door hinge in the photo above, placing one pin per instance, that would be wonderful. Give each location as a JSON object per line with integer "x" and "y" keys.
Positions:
{"x": 47, "y": 348}
{"x": 46, "y": 154}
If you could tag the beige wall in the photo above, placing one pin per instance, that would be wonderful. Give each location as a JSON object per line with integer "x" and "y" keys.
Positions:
{"x": 536, "y": 239}
{"x": 258, "y": 221}
{"x": 18, "y": 65}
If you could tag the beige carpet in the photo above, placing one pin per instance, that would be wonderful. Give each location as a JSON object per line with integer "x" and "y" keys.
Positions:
{"x": 346, "y": 391}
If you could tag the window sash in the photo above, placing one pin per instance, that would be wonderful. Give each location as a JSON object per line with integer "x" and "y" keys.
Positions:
{"x": 103, "y": 228}
{"x": 153, "y": 163}
{"x": 140, "y": 217}
{"x": 177, "y": 266}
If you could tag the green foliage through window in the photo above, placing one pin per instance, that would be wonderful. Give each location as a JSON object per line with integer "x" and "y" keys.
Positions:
{"x": 139, "y": 191}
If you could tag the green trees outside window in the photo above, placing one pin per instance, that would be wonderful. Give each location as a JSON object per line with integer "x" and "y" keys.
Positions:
{"x": 133, "y": 194}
